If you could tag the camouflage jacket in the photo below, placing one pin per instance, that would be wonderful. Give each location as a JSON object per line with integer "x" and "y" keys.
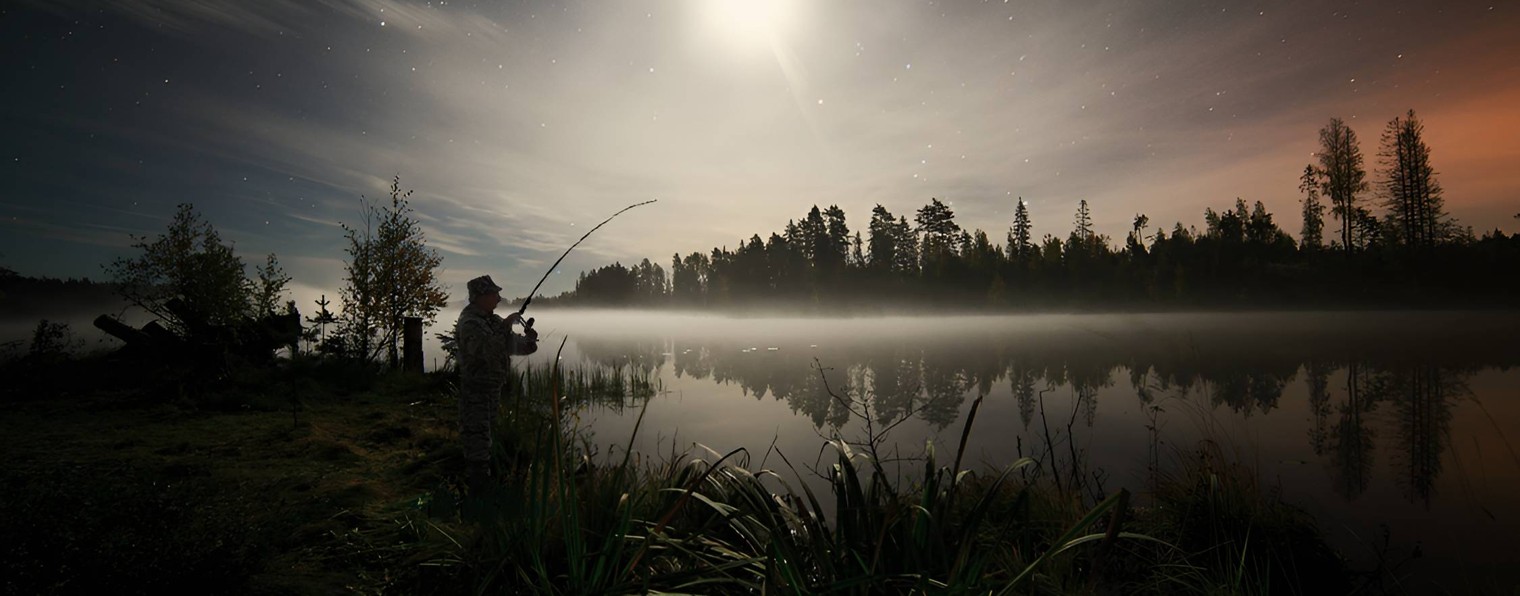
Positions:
{"x": 485, "y": 343}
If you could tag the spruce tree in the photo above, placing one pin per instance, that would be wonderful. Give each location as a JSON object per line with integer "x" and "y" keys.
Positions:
{"x": 1311, "y": 236}
{"x": 1416, "y": 212}
{"x": 1019, "y": 246}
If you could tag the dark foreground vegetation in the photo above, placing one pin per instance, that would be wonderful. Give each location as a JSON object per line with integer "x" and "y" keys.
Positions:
{"x": 322, "y": 476}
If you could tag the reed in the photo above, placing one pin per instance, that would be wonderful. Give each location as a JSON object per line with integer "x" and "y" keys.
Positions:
{"x": 562, "y": 522}
{"x": 611, "y": 387}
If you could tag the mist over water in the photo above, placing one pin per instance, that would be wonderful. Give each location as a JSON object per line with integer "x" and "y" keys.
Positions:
{"x": 16, "y": 328}
{"x": 1404, "y": 421}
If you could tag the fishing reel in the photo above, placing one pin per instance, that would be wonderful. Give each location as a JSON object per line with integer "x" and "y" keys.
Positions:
{"x": 526, "y": 323}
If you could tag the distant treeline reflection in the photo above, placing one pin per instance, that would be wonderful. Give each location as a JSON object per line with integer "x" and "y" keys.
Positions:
{"x": 934, "y": 380}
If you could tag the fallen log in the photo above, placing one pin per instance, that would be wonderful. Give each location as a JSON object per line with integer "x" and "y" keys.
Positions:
{"x": 123, "y": 332}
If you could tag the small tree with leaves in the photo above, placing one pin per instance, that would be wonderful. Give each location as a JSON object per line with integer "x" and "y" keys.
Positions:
{"x": 51, "y": 342}
{"x": 391, "y": 274}
{"x": 269, "y": 288}
{"x": 186, "y": 277}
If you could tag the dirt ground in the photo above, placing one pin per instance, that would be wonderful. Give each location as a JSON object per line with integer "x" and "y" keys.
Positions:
{"x": 120, "y": 494}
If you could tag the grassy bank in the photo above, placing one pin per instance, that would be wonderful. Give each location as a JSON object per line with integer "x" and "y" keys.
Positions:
{"x": 322, "y": 478}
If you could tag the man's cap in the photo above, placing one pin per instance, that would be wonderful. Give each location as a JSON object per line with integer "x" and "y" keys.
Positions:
{"x": 481, "y": 286}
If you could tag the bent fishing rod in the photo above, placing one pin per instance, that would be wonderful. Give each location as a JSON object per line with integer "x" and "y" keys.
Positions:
{"x": 529, "y": 322}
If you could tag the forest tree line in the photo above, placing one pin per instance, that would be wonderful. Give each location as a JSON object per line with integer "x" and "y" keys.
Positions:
{"x": 1388, "y": 241}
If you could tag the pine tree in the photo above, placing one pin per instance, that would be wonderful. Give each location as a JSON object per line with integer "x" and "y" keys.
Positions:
{"x": 857, "y": 254}
{"x": 1416, "y": 211}
{"x": 317, "y": 333}
{"x": 688, "y": 279}
{"x": 1020, "y": 249}
{"x": 882, "y": 246}
{"x": 1135, "y": 244}
{"x": 941, "y": 235}
{"x": 1082, "y": 224}
{"x": 838, "y": 238}
{"x": 1081, "y": 242}
{"x": 906, "y": 240}
{"x": 1311, "y": 237}
{"x": 813, "y": 234}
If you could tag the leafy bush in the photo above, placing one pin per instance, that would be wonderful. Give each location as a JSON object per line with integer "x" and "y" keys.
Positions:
{"x": 51, "y": 342}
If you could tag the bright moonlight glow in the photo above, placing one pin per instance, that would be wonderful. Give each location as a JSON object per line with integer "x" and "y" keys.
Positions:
{"x": 748, "y": 24}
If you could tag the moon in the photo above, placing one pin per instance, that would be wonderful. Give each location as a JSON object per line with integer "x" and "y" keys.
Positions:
{"x": 749, "y": 24}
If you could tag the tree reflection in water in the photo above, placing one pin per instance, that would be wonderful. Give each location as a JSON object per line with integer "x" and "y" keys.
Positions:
{"x": 1422, "y": 397}
{"x": 1352, "y": 441}
{"x": 933, "y": 380}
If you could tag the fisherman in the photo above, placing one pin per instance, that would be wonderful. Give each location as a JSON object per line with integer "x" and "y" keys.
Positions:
{"x": 486, "y": 343}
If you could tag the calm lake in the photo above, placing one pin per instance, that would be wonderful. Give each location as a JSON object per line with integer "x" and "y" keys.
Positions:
{"x": 1395, "y": 430}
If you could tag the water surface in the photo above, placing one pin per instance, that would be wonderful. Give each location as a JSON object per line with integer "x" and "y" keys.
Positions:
{"x": 1396, "y": 430}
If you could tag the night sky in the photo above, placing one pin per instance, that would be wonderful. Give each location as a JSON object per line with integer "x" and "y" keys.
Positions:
{"x": 521, "y": 124}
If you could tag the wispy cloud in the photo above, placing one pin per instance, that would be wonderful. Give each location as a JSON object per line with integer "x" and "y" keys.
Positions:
{"x": 89, "y": 234}
{"x": 522, "y": 125}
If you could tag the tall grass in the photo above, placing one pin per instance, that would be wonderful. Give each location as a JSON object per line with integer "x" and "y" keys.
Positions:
{"x": 609, "y": 387}
{"x": 1234, "y": 535}
{"x": 563, "y": 521}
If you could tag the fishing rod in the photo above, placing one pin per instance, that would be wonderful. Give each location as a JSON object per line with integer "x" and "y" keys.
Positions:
{"x": 529, "y": 323}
